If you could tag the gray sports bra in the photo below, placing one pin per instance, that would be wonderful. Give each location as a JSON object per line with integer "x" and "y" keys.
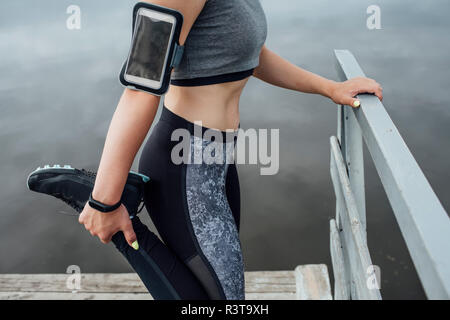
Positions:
{"x": 224, "y": 43}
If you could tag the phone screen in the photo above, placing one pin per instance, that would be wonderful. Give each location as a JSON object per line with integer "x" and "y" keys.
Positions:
{"x": 149, "y": 49}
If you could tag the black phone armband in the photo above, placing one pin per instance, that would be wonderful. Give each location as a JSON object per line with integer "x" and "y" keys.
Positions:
{"x": 154, "y": 50}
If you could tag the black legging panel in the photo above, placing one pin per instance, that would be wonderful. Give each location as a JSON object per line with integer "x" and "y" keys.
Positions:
{"x": 196, "y": 210}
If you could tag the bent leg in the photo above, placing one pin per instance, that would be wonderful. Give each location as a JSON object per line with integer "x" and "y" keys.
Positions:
{"x": 163, "y": 274}
{"x": 189, "y": 207}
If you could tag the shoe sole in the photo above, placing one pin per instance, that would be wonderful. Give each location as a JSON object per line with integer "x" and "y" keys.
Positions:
{"x": 67, "y": 168}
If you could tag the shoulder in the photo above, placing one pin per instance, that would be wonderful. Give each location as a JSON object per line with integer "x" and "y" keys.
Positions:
{"x": 189, "y": 9}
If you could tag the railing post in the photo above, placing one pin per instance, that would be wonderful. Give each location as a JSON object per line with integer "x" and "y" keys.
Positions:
{"x": 350, "y": 138}
{"x": 423, "y": 221}
{"x": 349, "y": 252}
{"x": 341, "y": 139}
{"x": 354, "y": 160}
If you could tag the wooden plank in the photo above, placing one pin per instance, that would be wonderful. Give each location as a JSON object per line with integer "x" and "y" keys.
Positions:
{"x": 350, "y": 140}
{"x": 341, "y": 282}
{"x": 354, "y": 161}
{"x": 262, "y": 282}
{"x": 120, "y": 296}
{"x": 95, "y": 283}
{"x": 356, "y": 253}
{"x": 340, "y": 210}
{"x": 261, "y": 276}
{"x": 73, "y": 296}
{"x": 272, "y": 285}
{"x": 270, "y": 296}
{"x": 341, "y": 138}
{"x": 349, "y": 253}
{"x": 423, "y": 221}
{"x": 313, "y": 282}
{"x": 340, "y": 124}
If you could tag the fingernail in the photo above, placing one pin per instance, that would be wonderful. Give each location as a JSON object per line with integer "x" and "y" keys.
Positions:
{"x": 356, "y": 104}
{"x": 135, "y": 245}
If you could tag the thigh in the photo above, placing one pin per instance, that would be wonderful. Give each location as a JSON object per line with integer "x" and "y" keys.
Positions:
{"x": 163, "y": 195}
{"x": 189, "y": 207}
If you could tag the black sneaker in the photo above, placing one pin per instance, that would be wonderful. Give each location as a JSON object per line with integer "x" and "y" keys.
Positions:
{"x": 73, "y": 186}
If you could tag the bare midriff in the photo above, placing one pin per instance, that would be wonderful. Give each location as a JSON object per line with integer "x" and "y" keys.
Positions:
{"x": 216, "y": 105}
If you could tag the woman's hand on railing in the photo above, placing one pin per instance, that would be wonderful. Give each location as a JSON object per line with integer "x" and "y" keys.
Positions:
{"x": 105, "y": 225}
{"x": 344, "y": 92}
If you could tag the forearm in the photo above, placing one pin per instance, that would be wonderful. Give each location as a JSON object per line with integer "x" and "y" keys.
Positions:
{"x": 277, "y": 71}
{"x": 128, "y": 129}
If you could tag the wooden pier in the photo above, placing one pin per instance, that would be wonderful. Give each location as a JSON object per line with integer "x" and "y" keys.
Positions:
{"x": 423, "y": 222}
{"x": 308, "y": 282}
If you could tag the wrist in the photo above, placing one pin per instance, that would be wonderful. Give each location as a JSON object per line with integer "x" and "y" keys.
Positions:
{"x": 107, "y": 198}
{"x": 329, "y": 88}
{"x": 102, "y": 207}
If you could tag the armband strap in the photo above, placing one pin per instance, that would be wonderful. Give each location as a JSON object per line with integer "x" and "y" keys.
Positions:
{"x": 177, "y": 55}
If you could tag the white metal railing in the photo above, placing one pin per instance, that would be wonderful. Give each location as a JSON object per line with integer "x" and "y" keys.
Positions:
{"x": 424, "y": 223}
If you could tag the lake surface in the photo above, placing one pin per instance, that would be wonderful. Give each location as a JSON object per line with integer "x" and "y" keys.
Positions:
{"x": 59, "y": 89}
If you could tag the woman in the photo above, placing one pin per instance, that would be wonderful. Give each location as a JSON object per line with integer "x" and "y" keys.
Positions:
{"x": 195, "y": 207}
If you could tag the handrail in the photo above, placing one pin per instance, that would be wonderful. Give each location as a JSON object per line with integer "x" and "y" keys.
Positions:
{"x": 423, "y": 221}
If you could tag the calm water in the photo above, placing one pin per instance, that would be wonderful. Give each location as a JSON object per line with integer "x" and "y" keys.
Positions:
{"x": 59, "y": 89}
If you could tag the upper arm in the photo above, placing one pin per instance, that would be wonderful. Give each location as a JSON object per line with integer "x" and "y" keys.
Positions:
{"x": 263, "y": 50}
{"x": 189, "y": 9}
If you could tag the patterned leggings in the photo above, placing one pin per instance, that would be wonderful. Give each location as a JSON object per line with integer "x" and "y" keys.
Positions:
{"x": 195, "y": 207}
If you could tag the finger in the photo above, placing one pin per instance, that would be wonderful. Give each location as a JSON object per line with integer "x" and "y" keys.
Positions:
{"x": 356, "y": 103}
{"x": 352, "y": 102}
{"x": 105, "y": 239}
{"x": 374, "y": 89}
{"x": 379, "y": 93}
{"x": 130, "y": 236}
